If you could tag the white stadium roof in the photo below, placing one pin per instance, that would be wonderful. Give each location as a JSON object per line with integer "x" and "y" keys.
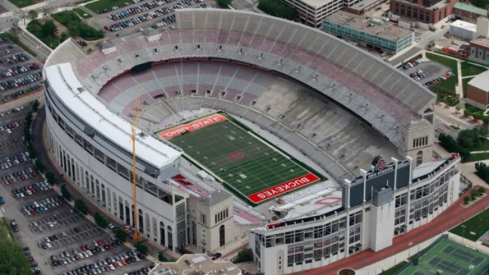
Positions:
{"x": 75, "y": 97}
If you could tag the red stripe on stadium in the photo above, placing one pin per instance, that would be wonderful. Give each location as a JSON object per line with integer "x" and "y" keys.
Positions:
{"x": 283, "y": 188}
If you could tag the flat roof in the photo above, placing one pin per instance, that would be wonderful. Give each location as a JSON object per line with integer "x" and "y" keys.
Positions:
{"x": 364, "y": 4}
{"x": 464, "y": 25}
{"x": 195, "y": 264}
{"x": 470, "y": 8}
{"x": 481, "y": 81}
{"x": 316, "y": 3}
{"x": 481, "y": 41}
{"x": 322, "y": 202}
{"x": 387, "y": 30}
{"x": 71, "y": 92}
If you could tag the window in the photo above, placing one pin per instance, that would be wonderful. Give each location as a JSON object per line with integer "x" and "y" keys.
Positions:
{"x": 202, "y": 218}
{"x": 222, "y": 235}
{"x": 419, "y": 158}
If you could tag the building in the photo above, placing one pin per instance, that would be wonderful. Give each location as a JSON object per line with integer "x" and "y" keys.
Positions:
{"x": 479, "y": 47}
{"x": 363, "y": 6}
{"x": 463, "y": 30}
{"x": 368, "y": 32}
{"x": 377, "y": 109}
{"x": 385, "y": 202}
{"x": 478, "y": 91}
{"x": 468, "y": 12}
{"x": 424, "y": 11}
{"x": 195, "y": 264}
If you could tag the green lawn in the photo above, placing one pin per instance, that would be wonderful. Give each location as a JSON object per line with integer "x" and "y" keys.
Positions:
{"x": 17, "y": 41}
{"x": 22, "y": 3}
{"x": 469, "y": 69}
{"x": 466, "y": 81}
{"x": 242, "y": 160}
{"x": 449, "y": 84}
{"x": 83, "y": 14}
{"x": 104, "y": 4}
{"x": 479, "y": 157}
{"x": 454, "y": 127}
{"x": 478, "y": 224}
{"x": 394, "y": 269}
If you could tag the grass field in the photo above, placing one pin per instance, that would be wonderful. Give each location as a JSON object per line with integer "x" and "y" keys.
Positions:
{"x": 469, "y": 69}
{"x": 451, "y": 259}
{"x": 478, "y": 224}
{"x": 83, "y": 14}
{"x": 466, "y": 81}
{"x": 449, "y": 84}
{"x": 22, "y": 3}
{"x": 243, "y": 161}
{"x": 104, "y": 4}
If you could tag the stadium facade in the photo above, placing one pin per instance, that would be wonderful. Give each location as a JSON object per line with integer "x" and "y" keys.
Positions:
{"x": 90, "y": 99}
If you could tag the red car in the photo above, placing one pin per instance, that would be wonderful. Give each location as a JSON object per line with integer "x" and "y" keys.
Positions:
{"x": 100, "y": 243}
{"x": 33, "y": 174}
{"x": 114, "y": 264}
{"x": 83, "y": 248}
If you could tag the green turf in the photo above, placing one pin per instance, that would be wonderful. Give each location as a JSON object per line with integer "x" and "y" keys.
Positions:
{"x": 449, "y": 84}
{"x": 478, "y": 224}
{"x": 469, "y": 69}
{"x": 465, "y": 82}
{"x": 260, "y": 168}
{"x": 22, "y": 3}
{"x": 83, "y": 14}
{"x": 459, "y": 260}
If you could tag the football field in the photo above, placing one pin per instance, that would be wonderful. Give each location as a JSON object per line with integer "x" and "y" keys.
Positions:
{"x": 247, "y": 164}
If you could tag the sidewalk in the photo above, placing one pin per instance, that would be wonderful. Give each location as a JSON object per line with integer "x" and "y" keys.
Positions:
{"x": 40, "y": 145}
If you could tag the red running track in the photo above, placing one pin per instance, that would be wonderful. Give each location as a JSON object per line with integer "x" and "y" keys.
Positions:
{"x": 451, "y": 217}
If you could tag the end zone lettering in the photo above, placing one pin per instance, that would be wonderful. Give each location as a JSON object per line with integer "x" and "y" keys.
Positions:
{"x": 192, "y": 126}
{"x": 283, "y": 188}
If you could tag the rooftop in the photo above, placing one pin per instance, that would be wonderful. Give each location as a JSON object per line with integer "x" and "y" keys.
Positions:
{"x": 481, "y": 41}
{"x": 470, "y": 8}
{"x": 464, "y": 25}
{"x": 364, "y": 4}
{"x": 195, "y": 264}
{"x": 70, "y": 91}
{"x": 316, "y": 3}
{"x": 378, "y": 27}
{"x": 481, "y": 81}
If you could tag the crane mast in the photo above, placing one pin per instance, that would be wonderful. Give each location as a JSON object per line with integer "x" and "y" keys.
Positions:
{"x": 134, "y": 124}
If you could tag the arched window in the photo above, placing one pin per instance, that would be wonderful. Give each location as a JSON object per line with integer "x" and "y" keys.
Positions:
{"x": 103, "y": 192}
{"x": 222, "y": 235}
{"x": 419, "y": 158}
{"x": 97, "y": 186}
{"x": 140, "y": 221}
{"x": 170, "y": 238}
{"x": 92, "y": 183}
{"x": 87, "y": 180}
{"x": 109, "y": 202}
{"x": 162, "y": 234}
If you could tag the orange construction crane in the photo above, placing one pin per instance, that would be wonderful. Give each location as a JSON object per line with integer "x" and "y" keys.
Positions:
{"x": 134, "y": 124}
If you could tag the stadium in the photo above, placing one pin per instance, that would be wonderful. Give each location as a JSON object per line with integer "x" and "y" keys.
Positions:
{"x": 250, "y": 127}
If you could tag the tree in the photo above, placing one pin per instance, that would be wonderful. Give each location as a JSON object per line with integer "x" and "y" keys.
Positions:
{"x": 66, "y": 194}
{"x": 141, "y": 247}
{"x": 32, "y": 14}
{"x": 22, "y": 14}
{"x": 161, "y": 257}
{"x": 28, "y": 117}
{"x": 49, "y": 28}
{"x": 464, "y": 154}
{"x": 244, "y": 255}
{"x": 478, "y": 115}
{"x": 480, "y": 3}
{"x": 63, "y": 36}
{"x": 447, "y": 142}
{"x": 278, "y": 8}
{"x": 39, "y": 165}
{"x": 223, "y": 3}
{"x": 100, "y": 220}
{"x": 14, "y": 33}
{"x": 47, "y": 10}
{"x": 35, "y": 106}
{"x": 466, "y": 200}
{"x": 13, "y": 260}
{"x": 80, "y": 206}
{"x": 481, "y": 190}
{"x": 119, "y": 233}
{"x": 30, "y": 149}
{"x": 482, "y": 171}
{"x": 467, "y": 112}
{"x": 485, "y": 119}
{"x": 50, "y": 178}
{"x": 458, "y": 108}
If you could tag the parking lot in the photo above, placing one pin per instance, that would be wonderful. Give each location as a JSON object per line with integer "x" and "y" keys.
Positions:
{"x": 426, "y": 71}
{"x": 136, "y": 15}
{"x": 47, "y": 224}
{"x": 20, "y": 73}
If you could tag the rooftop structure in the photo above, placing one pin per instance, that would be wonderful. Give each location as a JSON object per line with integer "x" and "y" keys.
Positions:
{"x": 377, "y": 27}
{"x": 195, "y": 264}
{"x": 117, "y": 130}
{"x": 481, "y": 41}
{"x": 481, "y": 81}
{"x": 470, "y": 8}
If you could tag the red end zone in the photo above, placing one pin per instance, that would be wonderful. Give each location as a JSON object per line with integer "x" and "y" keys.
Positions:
{"x": 283, "y": 188}
{"x": 191, "y": 126}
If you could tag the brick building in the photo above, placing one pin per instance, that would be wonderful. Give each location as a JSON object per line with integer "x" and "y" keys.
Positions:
{"x": 478, "y": 91}
{"x": 479, "y": 47}
{"x": 426, "y": 11}
{"x": 468, "y": 13}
